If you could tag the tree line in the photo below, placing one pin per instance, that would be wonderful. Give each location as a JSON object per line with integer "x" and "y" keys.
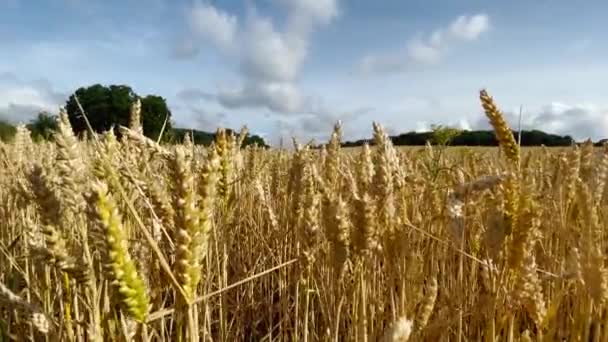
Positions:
{"x": 108, "y": 107}
{"x": 477, "y": 138}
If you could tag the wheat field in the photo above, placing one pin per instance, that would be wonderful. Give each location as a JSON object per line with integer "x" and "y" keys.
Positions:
{"x": 119, "y": 239}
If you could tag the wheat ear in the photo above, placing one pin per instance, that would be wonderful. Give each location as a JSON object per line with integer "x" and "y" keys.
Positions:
{"x": 501, "y": 128}
{"x": 129, "y": 283}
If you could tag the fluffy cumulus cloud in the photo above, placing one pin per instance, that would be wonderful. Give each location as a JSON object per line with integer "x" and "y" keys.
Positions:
{"x": 268, "y": 60}
{"x": 469, "y": 28}
{"x": 581, "y": 121}
{"x": 21, "y": 100}
{"x": 430, "y": 49}
{"x": 207, "y": 22}
{"x": 269, "y": 55}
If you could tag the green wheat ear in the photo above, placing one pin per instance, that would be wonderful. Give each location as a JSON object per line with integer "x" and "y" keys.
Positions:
{"x": 130, "y": 285}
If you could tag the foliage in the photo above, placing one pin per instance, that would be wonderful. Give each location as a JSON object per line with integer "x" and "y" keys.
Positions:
{"x": 206, "y": 138}
{"x": 7, "y": 131}
{"x": 474, "y": 138}
{"x": 43, "y": 127}
{"x": 110, "y": 106}
{"x": 601, "y": 142}
{"x": 154, "y": 111}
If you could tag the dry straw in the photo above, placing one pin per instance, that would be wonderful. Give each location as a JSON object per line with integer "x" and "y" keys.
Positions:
{"x": 330, "y": 244}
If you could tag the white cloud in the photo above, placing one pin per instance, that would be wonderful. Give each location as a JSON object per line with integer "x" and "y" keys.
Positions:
{"x": 429, "y": 50}
{"x": 207, "y": 120}
{"x": 422, "y": 126}
{"x": 581, "y": 121}
{"x": 209, "y": 23}
{"x": 321, "y": 10}
{"x": 20, "y": 101}
{"x": 280, "y": 97}
{"x": 469, "y": 28}
{"x": 319, "y": 124}
{"x": 423, "y": 52}
{"x": 464, "y": 125}
{"x": 268, "y": 55}
{"x": 269, "y": 60}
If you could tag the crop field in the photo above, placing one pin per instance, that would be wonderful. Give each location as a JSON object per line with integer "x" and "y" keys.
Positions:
{"x": 119, "y": 238}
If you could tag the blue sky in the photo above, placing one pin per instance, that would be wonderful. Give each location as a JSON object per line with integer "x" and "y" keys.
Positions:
{"x": 294, "y": 67}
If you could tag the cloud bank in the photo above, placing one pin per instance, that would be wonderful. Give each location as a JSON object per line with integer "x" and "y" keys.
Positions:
{"x": 21, "y": 100}
{"x": 580, "y": 121}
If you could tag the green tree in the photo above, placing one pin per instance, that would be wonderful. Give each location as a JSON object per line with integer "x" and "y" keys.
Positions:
{"x": 110, "y": 106}
{"x": 255, "y": 140}
{"x": 7, "y": 131}
{"x": 43, "y": 126}
{"x": 206, "y": 138}
{"x": 154, "y": 111}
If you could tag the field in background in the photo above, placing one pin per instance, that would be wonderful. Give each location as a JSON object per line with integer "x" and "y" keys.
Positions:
{"x": 121, "y": 238}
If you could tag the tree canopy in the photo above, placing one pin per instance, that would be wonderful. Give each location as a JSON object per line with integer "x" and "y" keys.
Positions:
{"x": 7, "y": 131}
{"x": 43, "y": 127}
{"x": 602, "y": 142}
{"x": 154, "y": 111}
{"x": 110, "y": 106}
{"x": 206, "y": 138}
